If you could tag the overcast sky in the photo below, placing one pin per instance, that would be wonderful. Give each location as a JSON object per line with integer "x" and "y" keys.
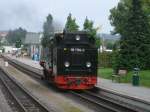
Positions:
{"x": 30, "y": 14}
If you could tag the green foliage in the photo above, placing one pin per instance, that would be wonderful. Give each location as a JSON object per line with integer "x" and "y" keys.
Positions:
{"x": 98, "y": 42}
{"x": 105, "y": 59}
{"x": 146, "y": 7}
{"x": 144, "y": 76}
{"x": 119, "y": 15}
{"x": 105, "y": 72}
{"x": 135, "y": 33}
{"x": 71, "y": 25}
{"x": 0, "y": 42}
{"x": 89, "y": 27}
{"x": 116, "y": 45}
{"x": 109, "y": 44}
{"x": 48, "y": 30}
{"x": 116, "y": 61}
{"x": 18, "y": 44}
{"x": 16, "y": 35}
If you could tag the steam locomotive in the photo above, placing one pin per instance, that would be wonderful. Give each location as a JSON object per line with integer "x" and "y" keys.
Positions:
{"x": 72, "y": 61}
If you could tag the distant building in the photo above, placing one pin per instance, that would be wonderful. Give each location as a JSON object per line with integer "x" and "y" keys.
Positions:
{"x": 33, "y": 44}
{"x": 104, "y": 49}
{"x": 3, "y": 35}
{"x": 8, "y": 49}
{"x": 107, "y": 37}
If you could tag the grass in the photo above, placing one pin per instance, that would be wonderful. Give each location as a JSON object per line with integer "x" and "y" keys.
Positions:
{"x": 144, "y": 76}
{"x": 105, "y": 73}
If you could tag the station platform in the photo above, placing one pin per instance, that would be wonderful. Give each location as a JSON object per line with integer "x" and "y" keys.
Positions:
{"x": 26, "y": 61}
{"x": 142, "y": 93}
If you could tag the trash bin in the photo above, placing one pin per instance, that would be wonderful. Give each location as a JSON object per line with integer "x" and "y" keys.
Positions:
{"x": 136, "y": 77}
{"x": 135, "y": 80}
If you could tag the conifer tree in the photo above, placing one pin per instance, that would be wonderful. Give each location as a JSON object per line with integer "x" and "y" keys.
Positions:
{"x": 135, "y": 40}
{"x": 89, "y": 27}
{"x": 48, "y": 30}
{"x": 71, "y": 25}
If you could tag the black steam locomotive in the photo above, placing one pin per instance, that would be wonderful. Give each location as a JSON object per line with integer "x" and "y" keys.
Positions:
{"x": 72, "y": 61}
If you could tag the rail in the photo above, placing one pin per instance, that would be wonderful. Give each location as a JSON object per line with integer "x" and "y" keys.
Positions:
{"x": 27, "y": 102}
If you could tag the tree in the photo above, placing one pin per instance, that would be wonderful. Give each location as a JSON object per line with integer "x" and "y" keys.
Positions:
{"x": 146, "y": 7}
{"x": 0, "y": 42}
{"x": 18, "y": 44}
{"x": 98, "y": 42}
{"x": 119, "y": 15}
{"x": 109, "y": 44}
{"x": 135, "y": 38}
{"x": 89, "y": 27}
{"x": 48, "y": 30}
{"x": 16, "y": 35}
{"x": 71, "y": 25}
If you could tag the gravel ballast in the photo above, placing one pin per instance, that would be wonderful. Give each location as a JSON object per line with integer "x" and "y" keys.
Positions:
{"x": 52, "y": 99}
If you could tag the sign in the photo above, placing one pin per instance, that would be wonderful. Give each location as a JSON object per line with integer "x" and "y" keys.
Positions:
{"x": 77, "y": 50}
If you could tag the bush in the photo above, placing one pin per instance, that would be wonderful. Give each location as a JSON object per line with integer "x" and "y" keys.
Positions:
{"x": 105, "y": 59}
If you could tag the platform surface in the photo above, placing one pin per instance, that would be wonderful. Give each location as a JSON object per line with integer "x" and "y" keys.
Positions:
{"x": 122, "y": 88}
{"x": 139, "y": 92}
{"x": 26, "y": 61}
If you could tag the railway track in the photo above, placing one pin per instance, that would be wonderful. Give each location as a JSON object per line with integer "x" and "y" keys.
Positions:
{"x": 105, "y": 100}
{"x": 23, "y": 100}
{"x": 102, "y": 103}
{"x": 127, "y": 101}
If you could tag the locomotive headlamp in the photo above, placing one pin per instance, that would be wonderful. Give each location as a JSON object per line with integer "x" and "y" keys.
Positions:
{"x": 88, "y": 64}
{"x": 67, "y": 64}
{"x": 77, "y": 37}
{"x": 65, "y": 49}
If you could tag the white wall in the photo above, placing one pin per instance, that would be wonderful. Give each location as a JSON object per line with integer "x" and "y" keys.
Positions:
{"x": 8, "y": 49}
